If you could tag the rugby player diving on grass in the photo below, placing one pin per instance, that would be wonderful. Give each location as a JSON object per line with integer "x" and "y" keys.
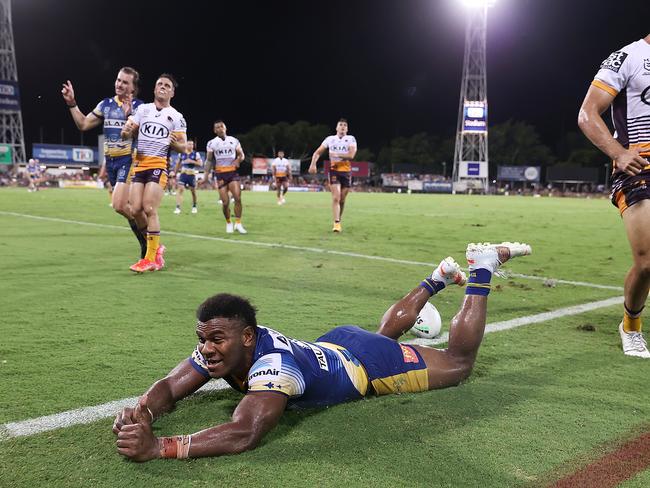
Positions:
{"x": 275, "y": 372}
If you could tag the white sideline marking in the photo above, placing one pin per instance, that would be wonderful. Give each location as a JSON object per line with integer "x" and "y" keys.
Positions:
{"x": 301, "y": 248}
{"x": 91, "y": 414}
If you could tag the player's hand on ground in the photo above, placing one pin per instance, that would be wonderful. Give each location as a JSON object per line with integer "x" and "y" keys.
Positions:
{"x": 68, "y": 93}
{"x": 137, "y": 442}
{"x": 630, "y": 162}
{"x": 129, "y": 416}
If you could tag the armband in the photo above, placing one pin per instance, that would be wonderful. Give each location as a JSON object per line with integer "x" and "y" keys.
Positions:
{"x": 71, "y": 106}
{"x": 177, "y": 447}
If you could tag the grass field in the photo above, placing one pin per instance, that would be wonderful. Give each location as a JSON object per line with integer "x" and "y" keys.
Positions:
{"x": 77, "y": 328}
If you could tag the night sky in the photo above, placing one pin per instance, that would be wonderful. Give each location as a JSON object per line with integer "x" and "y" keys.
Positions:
{"x": 392, "y": 67}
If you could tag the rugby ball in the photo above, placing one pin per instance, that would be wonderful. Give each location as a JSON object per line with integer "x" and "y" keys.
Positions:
{"x": 428, "y": 323}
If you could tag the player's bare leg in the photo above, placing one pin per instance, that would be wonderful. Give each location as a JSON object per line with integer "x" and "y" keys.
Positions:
{"x": 335, "y": 189}
{"x": 344, "y": 195}
{"x": 152, "y": 195}
{"x": 401, "y": 316}
{"x": 225, "y": 207}
{"x": 637, "y": 281}
{"x": 179, "y": 198}
{"x": 448, "y": 367}
{"x": 235, "y": 190}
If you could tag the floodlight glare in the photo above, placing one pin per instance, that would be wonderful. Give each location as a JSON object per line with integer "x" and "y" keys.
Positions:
{"x": 478, "y": 3}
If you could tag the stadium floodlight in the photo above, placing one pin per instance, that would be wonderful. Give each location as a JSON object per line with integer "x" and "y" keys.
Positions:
{"x": 471, "y": 151}
{"x": 478, "y": 3}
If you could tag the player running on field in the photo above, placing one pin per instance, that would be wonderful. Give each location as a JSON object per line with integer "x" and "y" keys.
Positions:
{"x": 159, "y": 128}
{"x": 281, "y": 169}
{"x": 34, "y": 174}
{"x": 112, "y": 113}
{"x": 623, "y": 83}
{"x": 187, "y": 165}
{"x": 225, "y": 153}
{"x": 276, "y": 372}
{"x": 342, "y": 149}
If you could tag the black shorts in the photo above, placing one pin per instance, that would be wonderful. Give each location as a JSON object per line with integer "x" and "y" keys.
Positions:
{"x": 343, "y": 178}
{"x": 628, "y": 190}
{"x": 224, "y": 179}
{"x": 156, "y": 175}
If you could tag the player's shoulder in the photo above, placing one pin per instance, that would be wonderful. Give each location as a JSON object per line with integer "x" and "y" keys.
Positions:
{"x": 232, "y": 139}
{"x": 350, "y": 138}
{"x": 137, "y": 103}
{"x": 627, "y": 55}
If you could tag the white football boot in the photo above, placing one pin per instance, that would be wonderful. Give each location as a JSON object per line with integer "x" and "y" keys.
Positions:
{"x": 229, "y": 227}
{"x": 240, "y": 228}
{"x": 195, "y": 210}
{"x": 633, "y": 343}
{"x": 177, "y": 210}
{"x": 449, "y": 273}
{"x": 492, "y": 256}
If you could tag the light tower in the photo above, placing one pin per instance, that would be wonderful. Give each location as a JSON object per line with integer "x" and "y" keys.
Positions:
{"x": 471, "y": 152}
{"x": 12, "y": 138}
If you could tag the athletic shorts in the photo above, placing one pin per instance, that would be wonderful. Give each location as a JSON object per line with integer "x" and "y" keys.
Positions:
{"x": 628, "y": 190}
{"x": 156, "y": 175}
{"x": 392, "y": 367}
{"x": 225, "y": 178}
{"x": 118, "y": 169}
{"x": 189, "y": 181}
{"x": 343, "y": 178}
{"x": 281, "y": 179}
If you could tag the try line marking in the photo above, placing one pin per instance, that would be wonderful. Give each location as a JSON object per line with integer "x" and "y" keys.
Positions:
{"x": 300, "y": 248}
{"x": 87, "y": 415}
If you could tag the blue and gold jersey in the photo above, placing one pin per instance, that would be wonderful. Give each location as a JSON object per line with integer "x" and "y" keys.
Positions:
{"x": 309, "y": 374}
{"x": 190, "y": 162}
{"x": 111, "y": 110}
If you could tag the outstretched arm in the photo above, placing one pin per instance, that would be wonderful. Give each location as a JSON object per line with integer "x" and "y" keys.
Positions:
{"x": 256, "y": 414}
{"x": 592, "y": 124}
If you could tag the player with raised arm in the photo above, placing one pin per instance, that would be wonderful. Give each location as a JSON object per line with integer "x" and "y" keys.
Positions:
{"x": 224, "y": 154}
{"x": 187, "y": 165}
{"x": 159, "y": 128}
{"x": 281, "y": 169}
{"x": 112, "y": 113}
{"x": 274, "y": 371}
{"x": 622, "y": 83}
{"x": 342, "y": 149}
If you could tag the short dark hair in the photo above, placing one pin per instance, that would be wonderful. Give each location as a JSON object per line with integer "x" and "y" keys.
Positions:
{"x": 218, "y": 121}
{"x": 170, "y": 78}
{"x": 227, "y": 306}
{"x": 343, "y": 120}
{"x": 136, "y": 78}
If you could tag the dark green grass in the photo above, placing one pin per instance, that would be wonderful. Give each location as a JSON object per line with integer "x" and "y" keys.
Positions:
{"x": 79, "y": 329}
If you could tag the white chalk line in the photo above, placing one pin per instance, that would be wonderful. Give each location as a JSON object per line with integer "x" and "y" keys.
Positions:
{"x": 87, "y": 415}
{"x": 305, "y": 249}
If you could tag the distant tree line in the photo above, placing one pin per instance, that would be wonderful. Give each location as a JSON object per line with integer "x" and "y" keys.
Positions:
{"x": 510, "y": 143}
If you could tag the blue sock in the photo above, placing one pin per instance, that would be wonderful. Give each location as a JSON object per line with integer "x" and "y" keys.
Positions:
{"x": 478, "y": 282}
{"x": 432, "y": 286}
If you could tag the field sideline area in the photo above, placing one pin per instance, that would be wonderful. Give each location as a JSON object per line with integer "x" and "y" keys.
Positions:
{"x": 546, "y": 398}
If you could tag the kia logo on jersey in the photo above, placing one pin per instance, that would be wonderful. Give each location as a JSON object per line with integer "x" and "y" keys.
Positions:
{"x": 154, "y": 130}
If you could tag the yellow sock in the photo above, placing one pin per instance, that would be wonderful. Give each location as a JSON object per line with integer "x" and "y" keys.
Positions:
{"x": 227, "y": 221}
{"x": 631, "y": 324}
{"x": 153, "y": 239}
{"x": 237, "y": 221}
